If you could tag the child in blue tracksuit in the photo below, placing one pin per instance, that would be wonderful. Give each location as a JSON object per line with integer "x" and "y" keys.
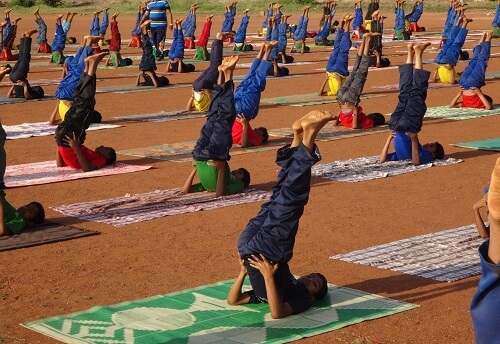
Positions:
{"x": 473, "y": 77}
{"x": 448, "y": 56}
{"x": 282, "y": 32}
{"x": 227, "y": 24}
{"x": 95, "y": 28}
{"x": 496, "y": 22}
{"x": 322, "y": 37}
{"x": 176, "y": 52}
{"x": 266, "y": 244}
{"x": 451, "y": 18}
{"x": 416, "y": 13}
{"x": 189, "y": 25}
{"x": 59, "y": 42}
{"x": 486, "y": 301}
{"x": 399, "y": 25}
{"x": 269, "y": 14}
{"x": 357, "y": 23}
{"x": 406, "y": 120}
{"x": 211, "y": 151}
{"x": 148, "y": 64}
{"x": 240, "y": 36}
{"x": 273, "y": 35}
{"x": 299, "y": 35}
{"x": 336, "y": 68}
{"x": 247, "y": 95}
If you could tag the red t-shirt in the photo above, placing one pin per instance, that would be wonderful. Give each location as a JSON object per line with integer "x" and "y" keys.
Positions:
{"x": 255, "y": 139}
{"x": 70, "y": 159}
{"x": 472, "y": 101}
{"x": 364, "y": 121}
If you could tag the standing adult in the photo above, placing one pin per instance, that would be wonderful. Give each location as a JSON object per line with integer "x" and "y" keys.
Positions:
{"x": 157, "y": 11}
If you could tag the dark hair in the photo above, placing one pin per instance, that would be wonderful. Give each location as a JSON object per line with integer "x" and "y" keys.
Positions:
{"x": 464, "y": 55}
{"x": 488, "y": 98}
{"x": 324, "y": 288}
{"x": 128, "y": 61}
{"x": 39, "y": 93}
{"x": 112, "y": 157}
{"x": 40, "y": 213}
{"x": 284, "y": 71}
{"x": 377, "y": 118}
{"x": 385, "y": 62}
{"x": 189, "y": 67}
{"x": 335, "y": 23}
{"x": 246, "y": 176}
{"x": 264, "y": 134}
{"x": 439, "y": 152}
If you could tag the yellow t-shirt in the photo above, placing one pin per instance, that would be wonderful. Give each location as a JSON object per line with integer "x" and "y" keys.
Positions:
{"x": 333, "y": 83}
{"x": 445, "y": 75}
{"x": 201, "y": 101}
{"x": 63, "y": 107}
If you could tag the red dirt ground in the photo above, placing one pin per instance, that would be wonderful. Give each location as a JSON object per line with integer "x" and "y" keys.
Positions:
{"x": 174, "y": 253}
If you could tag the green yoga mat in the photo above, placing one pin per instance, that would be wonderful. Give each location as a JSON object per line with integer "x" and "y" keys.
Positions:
{"x": 308, "y": 99}
{"x": 489, "y": 144}
{"x": 458, "y": 114}
{"x": 181, "y": 152}
{"x": 201, "y": 315}
{"x": 329, "y": 133}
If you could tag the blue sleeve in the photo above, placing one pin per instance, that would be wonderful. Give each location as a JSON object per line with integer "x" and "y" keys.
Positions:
{"x": 425, "y": 156}
{"x": 392, "y": 157}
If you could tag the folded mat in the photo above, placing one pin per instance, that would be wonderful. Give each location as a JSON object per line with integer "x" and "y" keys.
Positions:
{"x": 308, "y": 99}
{"x": 46, "y": 172}
{"x": 459, "y": 113}
{"x": 202, "y": 315}
{"x": 129, "y": 209}
{"x": 329, "y": 133}
{"x": 44, "y": 234}
{"x": 181, "y": 151}
{"x": 163, "y": 116}
{"x": 25, "y": 130}
{"x": 448, "y": 255}
{"x": 369, "y": 168}
{"x": 489, "y": 144}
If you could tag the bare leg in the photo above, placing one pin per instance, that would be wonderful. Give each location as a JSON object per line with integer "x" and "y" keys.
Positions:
{"x": 411, "y": 52}
{"x": 494, "y": 214}
{"x": 419, "y": 51}
{"x": 92, "y": 62}
{"x": 311, "y": 124}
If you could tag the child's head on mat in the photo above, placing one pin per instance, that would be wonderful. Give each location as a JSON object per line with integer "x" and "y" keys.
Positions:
{"x": 436, "y": 150}
{"x": 316, "y": 284}
{"x": 107, "y": 153}
{"x": 377, "y": 118}
{"x": 243, "y": 175}
{"x": 262, "y": 133}
{"x": 33, "y": 213}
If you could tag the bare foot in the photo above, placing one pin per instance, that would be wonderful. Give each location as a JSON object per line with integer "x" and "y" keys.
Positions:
{"x": 419, "y": 48}
{"x": 245, "y": 12}
{"x": 270, "y": 45}
{"x": 30, "y": 33}
{"x": 8, "y": 12}
{"x": 105, "y": 10}
{"x": 37, "y": 12}
{"x": 494, "y": 195}
{"x": 209, "y": 18}
{"x": 60, "y": 16}
{"x": 222, "y": 35}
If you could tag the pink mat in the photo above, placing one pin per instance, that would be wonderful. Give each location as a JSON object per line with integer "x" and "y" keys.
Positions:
{"x": 129, "y": 209}
{"x": 46, "y": 172}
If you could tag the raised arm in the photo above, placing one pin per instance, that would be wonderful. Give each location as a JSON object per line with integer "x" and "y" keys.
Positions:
{"x": 277, "y": 307}
{"x": 322, "y": 91}
{"x": 188, "y": 185}
{"x": 220, "y": 189}
{"x": 415, "y": 156}
{"x": 486, "y": 102}
{"x": 153, "y": 78}
{"x": 27, "y": 94}
{"x": 59, "y": 160}
{"x": 244, "y": 134}
{"x": 10, "y": 94}
{"x": 235, "y": 296}
{"x": 383, "y": 155}
{"x": 455, "y": 101}
{"x": 74, "y": 142}
{"x": 3, "y": 225}
{"x": 189, "y": 105}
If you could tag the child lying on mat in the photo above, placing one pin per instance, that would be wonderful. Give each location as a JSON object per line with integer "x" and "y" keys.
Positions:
{"x": 486, "y": 301}
{"x": 266, "y": 244}
{"x": 351, "y": 115}
{"x": 211, "y": 152}
{"x": 70, "y": 134}
{"x": 406, "y": 120}
{"x": 473, "y": 78}
{"x": 13, "y": 221}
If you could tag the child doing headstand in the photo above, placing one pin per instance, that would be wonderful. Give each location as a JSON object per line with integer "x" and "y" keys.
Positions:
{"x": 201, "y": 46}
{"x": 211, "y": 152}
{"x": 240, "y": 43}
{"x": 43, "y": 46}
{"x": 406, "y": 120}
{"x": 148, "y": 64}
{"x": 176, "y": 52}
{"x": 71, "y": 133}
{"x": 115, "y": 58}
{"x": 266, "y": 245}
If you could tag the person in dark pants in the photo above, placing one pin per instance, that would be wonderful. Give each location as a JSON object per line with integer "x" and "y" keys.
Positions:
{"x": 19, "y": 73}
{"x": 148, "y": 64}
{"x": 71, "y": 133}
{"x": 43, "y": 45}
{"x": 157, "y": 11}
{"x": 115, "y": 58}
{"x": 406, "y": 120}
{"x": 204, "y": 84}
{"x": 211, "y": 151}
{"x": 266, "y": 244}
{"x": 176, "y": 52}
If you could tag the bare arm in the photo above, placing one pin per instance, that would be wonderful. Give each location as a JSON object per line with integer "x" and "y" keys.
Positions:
{"x": 179, "y": 65}
{"x": 10, "y": 94}
{"x": 383, "y": 155}
{"x": 275, "y": 68}
{"x": 220, "y": 189}
{"x": 188, "y": 185}
{"x": 153, "y": 78}
{"x": 278, "y": 308}
{"x": 244, "y": 134}
{"x": 144, "y": 16}
{"x": 27, "y": 94}
{"x": 482, "y": 229}
{"x": 435, "y": 75}
{"x": 487, "y": 104}
{"x": 322, "y": 91}
{"x": 138, "y": 80}
{"x": 190, "y": 105}
{"x": 74, "y": 143}
{"x": 235, "y": 296}
{"x": 59, "y": 160}
{"x": 455, "y": 101}
{"x": 54, "y": 117}
{"x": 170, "y": 19}
{"x": 415, "y": 157}
{"x": 355, "y": 124}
